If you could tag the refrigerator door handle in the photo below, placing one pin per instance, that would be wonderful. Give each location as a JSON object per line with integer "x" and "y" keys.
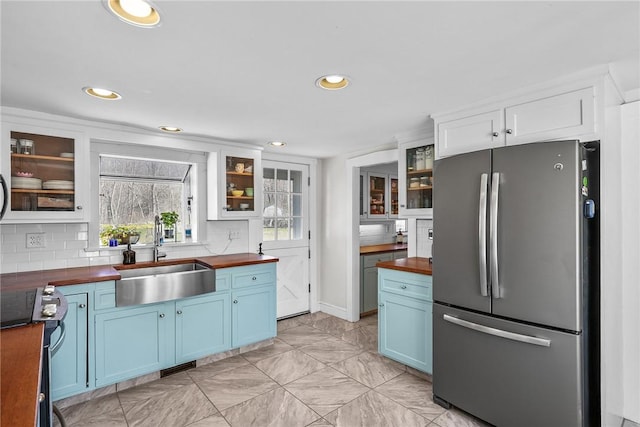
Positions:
{"x": 493, "y": 234}
{"x": 482, "y": 235}
{"x": 498, "y": 332}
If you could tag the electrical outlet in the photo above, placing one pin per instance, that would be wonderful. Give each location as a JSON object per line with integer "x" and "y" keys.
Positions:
{"x": 35, "y": 240}
{"x": 234, "y": 234}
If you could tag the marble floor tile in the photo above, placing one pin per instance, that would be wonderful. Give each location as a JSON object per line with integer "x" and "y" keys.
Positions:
{"x": 333, "y": 325}
{"x": 321, "y": 423}
{"x": 210, "y": 369}
{"x": 289, "y": 366}
{"x": 212, "y": 421}
{"x": 289, "y": 323}
{"x": 370, "y": 369}
{"x": 277, "y": 408}
{"x": 331, "y": 350}
{"x": 312, "y": 317}
{"x": 277, "y": 347}
{"x": 172, "y": 401}
{"x": 103, "y": 411}
{"x": 456, "y": 418}
{"x": 371, "y": 320}
{"x": 365, "y": 337}
{"x": 238, "y": 385}
{"x": 413, "y": 393}
{"x": 302, "y": 335}
{"x": 372, "y": 410}
{"x": 326, "y": 390}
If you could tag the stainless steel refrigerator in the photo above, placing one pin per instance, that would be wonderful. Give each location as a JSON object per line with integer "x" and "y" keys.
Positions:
{"x": 516, "y": 284}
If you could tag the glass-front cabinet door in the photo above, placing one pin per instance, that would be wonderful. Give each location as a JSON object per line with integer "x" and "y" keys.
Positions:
{"x": 416, "y": 179}
{"x": 377, "y": 195}
{"x": 234, "y": 185}
{"x": 41, "y": 169}
{"x": 393, "y": 196}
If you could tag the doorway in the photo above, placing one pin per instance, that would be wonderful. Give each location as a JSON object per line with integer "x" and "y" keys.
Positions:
{"x": 285, "y": 232}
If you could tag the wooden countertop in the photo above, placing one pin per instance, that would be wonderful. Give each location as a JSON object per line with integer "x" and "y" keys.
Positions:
{"x": 79, "y": 275}
{"x": 386, "y": 247}
{"x": 412, "y": 265}
{"x": 20, "y": 364}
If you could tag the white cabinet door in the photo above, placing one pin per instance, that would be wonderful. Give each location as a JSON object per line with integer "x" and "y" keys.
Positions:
{"x": 377, "y": 196}
{"x": 471, "y": 133}
{"x": 567, "y": 115}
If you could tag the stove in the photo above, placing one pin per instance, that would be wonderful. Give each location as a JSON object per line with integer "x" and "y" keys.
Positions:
{"x": 42, "y": 305}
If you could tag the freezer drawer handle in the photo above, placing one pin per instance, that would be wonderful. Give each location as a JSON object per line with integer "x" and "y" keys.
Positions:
{"x": 493, "y": 235}
{"x": 498, "y": 332}
{"x": 482, "y": 235}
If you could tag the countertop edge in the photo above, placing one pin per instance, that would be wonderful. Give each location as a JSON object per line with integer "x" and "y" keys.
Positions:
{"x": 384, "y": 247}
{"x": 412, "y": 265}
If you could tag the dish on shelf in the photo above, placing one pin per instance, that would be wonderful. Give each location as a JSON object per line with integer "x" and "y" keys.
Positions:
{"x": 67, "y": 155}
{"x": 244, "y": 206}
{"x": 237, "y": 193}
{"x": 57, "y": 185}
{"x": 24, "y": 174}
{"x": 26, "y": 183}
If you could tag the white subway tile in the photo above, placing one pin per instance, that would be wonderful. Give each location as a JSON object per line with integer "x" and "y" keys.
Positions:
{"x": 8, "y": 228}
{"x": 8, "y": 268}
{"x": 41, "y": 255}
{"x": 83, "y": 226}
{"x": 98, "y": 260}
{"x": 53, "y": 264}
{"x": 78, "y": 262}
{"x": 29, "y": 228}
{"x": 66, "y": 254}
{"x": 13, "y": 257}
{"x": 76, "y": 244}
{"x": 8, "y": 248}
{"x": 54, "y": 228}
{"x": 82, "y": 235}
{"x": 30, "y": 266}
{"x": 14, "y": 238}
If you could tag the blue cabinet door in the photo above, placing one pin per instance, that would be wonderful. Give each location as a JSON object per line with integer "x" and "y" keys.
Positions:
{"x": 405, "y": 331}
{"x": 203, "y": 326}
{"x": 69, "y": 369}
{"x": 133, "y": 341}
{"x": 254, "y": 315}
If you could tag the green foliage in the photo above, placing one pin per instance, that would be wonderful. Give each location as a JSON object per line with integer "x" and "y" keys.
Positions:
{"x": 169, "y": 219}
{"x": 120, "y": 232}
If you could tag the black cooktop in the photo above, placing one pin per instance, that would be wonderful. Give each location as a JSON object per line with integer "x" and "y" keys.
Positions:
{"x": 16, "y": 308}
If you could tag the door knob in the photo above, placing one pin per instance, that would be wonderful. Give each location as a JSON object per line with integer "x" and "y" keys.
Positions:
{"x": 179, "y": 311}
{"x": 235, "y": 301}
{"x": 403, "y": 287}
{"x": 161, "y": 315}
{"x": 82, "y": 305}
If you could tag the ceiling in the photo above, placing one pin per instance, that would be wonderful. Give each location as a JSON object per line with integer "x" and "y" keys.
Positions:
{"x": 245, "y": 71}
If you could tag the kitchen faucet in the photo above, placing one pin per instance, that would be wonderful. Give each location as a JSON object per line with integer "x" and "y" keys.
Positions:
{"x": 157, "y": 240}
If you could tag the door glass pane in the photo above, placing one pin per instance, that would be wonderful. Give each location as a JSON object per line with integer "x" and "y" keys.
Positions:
{"x": 283, "y": 183}
{"x": 296, "y": 228}
{"x": 296, "y": 181}
{"x": 282, "y": 204}
{"x": 297, "y": 205}
{"x": 268, "y": 229}
{"x": 283, "y": 229}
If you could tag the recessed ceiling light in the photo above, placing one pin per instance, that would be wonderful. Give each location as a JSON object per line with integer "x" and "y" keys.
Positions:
{"x": 277, "y": 144}
{"x": 332, "y": 82}
{"x": 140, "y": 13}
{"x": 102, "y": 93}
{"x": 170, "y": 129}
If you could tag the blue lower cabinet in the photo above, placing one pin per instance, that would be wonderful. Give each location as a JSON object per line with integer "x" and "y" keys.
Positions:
{"x": 69, "y": 363}
{"x": 203, "y": 326}
{"x": 405, "y": 331}
{"x": 133, "y": 341}
{"x": 253, "y": 312}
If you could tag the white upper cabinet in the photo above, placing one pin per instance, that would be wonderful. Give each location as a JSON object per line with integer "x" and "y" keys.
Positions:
{"x": 569, "y": 114}
{"x": 234, "y": 184}
{"x": 46, "y": 171}
{"x": 416, "y": 181}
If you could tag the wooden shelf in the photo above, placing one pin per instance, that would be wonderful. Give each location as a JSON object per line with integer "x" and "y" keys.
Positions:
{"x": 37, "y": 157}
{"x": 420, "y": 172}
{"x": 234, "y": 173}
{"x": 240, "y": 197}
{"x": 28, "y": 190}
{"x": 429, "y": 187}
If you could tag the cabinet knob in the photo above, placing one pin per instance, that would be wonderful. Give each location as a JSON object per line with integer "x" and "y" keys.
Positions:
{"x": 380, "y": 305}
{"x": 235, "y": 301}
{"x": 509, "y": 131}
{"x": 403, "y": 287}
{"x": 179, "y": 311}
{"x": 495, "y": 134}
{"x": 79, "y": 207}
{"x": 82, "y": 305}
{"x": 254, "y": 278}
{"x": 162, "y": 315}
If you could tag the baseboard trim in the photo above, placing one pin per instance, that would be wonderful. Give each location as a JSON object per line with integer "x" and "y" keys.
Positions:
{"x": 333, "y": 310}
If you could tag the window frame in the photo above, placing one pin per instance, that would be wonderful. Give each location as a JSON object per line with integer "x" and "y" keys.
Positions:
{"x": 198, "y": 184}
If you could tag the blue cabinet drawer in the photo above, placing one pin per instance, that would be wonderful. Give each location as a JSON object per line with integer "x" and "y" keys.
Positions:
{"x": 405, "y": 283}
{"x": 223, "y": 280}
{"x": 253, "y": 276}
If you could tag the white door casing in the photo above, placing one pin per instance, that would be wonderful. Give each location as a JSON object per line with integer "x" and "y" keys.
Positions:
{"x": 286, "y": 232}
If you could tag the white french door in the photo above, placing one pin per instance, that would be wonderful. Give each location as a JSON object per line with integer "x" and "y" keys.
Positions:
{"x": 285, "y": 231}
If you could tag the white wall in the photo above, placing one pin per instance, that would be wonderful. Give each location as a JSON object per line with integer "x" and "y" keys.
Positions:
{"x": 630, "y": 171}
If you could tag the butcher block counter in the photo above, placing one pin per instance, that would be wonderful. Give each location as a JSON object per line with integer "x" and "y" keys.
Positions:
{"x": 79, "y": 275}
{"x": 412, "y": 265}
{"x": 385, "y": 247}
{"x": 20, "y": 359}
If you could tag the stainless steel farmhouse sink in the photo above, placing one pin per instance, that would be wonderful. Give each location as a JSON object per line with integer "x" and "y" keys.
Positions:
{"x": 163, "y": 283}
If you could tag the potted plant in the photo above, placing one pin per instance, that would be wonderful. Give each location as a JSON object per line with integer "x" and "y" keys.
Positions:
{"x": 169, "y": 220}
{"x": 124, "y": 234}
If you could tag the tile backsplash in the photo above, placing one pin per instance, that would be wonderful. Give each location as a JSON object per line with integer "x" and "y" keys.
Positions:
{"x": 423, "y": 242}
{"x": 67, "y": 245}
{"x": 376, "y": 234}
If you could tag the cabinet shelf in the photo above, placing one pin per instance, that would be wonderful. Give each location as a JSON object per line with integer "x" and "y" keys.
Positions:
{"x": 38, "y": 157}
{"x": 26, "y": 190}
{"x": 233, "y": 173}
{"x": 420, "y": 172}
{"x": 428, "y": 187}
{"x": 240, "y": 197}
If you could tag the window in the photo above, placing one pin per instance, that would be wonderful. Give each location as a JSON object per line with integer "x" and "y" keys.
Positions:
{"x": 282, "y": 213}
{"x": 401, "y": 225}
{"x": 134, "y": 190}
